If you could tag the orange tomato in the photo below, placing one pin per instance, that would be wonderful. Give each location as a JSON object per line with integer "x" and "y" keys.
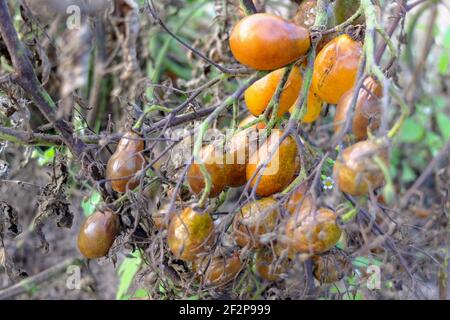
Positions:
{"x": 259, "y": 94}
{"x": 280, "y": 170}
{"x": 355, "y": 172}
{"x": 190, "y": 233}
{"x": 266, "y": 42}
{"x": 253, "y": 220}
{"x": 336, "y": 67}
{"x": 219, "y": 270}
{"x": 268, "y": 266}
{"x": 126, "y": 161}
{"x": 312, "y": 231}
{"x": 215, "y": 163}
{"x": 297, "y": 201}
{"x": 98, "y": 233}
{"x": 367, "y": 109}
{"x": 313, "y": 107}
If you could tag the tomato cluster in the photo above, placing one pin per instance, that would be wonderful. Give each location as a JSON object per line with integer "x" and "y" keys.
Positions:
{"x": 270, "y": 43}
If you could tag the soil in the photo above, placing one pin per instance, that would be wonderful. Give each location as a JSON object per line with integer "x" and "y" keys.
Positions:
{"x": 98, "y": 279}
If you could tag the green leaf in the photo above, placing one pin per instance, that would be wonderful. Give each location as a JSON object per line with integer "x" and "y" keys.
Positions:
{"x": 89, "y": 205}
{"x": 434, "y": 142}
{"x": 439, "y": 102}
{"x": 45, "y": 157}
{"x": 141, "y": 293}
{"x": 408, "y": 174}
{"x": 126, "y": 272}
{"x": 364, "y": 262}
{"x": 443, "y": 63}
{"x": 443, "y": 122}
{"x": 411, "y": 132}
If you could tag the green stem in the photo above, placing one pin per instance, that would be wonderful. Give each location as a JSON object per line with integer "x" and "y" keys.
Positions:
{"x": 301, "y": 105}
{"x": 346, "y": 217}
{"x": 372, "y": 25}
{"x": 248, "y": 6}
{"x": 148, "y": 110}
{"x": 235, "y": 116}
{"x": 297, "y": 181}
{"x": 388, "y": 190}
{"x": 404, "y": 114}
{"x": 343, "y": 25}
{"x": 274, "y": 103}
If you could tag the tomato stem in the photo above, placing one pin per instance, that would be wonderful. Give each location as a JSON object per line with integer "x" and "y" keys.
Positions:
{"x": 346, "y": 217}
{"x": 404, "y": 114}
{"x": 248, "y": 6}
{"x": 274, "y": 103}
{"x": 148, "y": 110}
{"x": 388, "y": 190}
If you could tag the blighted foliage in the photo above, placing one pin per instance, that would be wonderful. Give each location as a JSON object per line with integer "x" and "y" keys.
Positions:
{"x": 53, "y": 203}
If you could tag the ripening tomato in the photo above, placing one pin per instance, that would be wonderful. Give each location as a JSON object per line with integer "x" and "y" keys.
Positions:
{"x": 237, "y": 152}
{"x": 336, "y": 68}
{"x": 312, "y": 231}
{"x": 281, "y": 168}
{"x": 266, "y": 42}
{"x": 258, "y": 95}
{"x": 190, "y": 233}
{"x": 253, "y": 220}
{"x": 268, "y": 265}
{"x": 330, "y": 267}
{"x": 313, "y": 107}
{"x": 355, "y": 171}
{"x": 367, "y": 109}
{"x": 299, "y": 200}
{"x": 214, "y": 159}
{"x": 126, "y": 161}
{"x": 218, "y": 270}
{"x": 98, "y": 233}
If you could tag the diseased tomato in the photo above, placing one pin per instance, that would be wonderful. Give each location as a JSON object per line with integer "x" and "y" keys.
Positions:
{"x": 126, "y": 161}
{"x": 367, "y": 109}
{"x": 297, "y": 201}
{"x": 98, "y": 233}
{"x": 355, "y": 172}
{"x": 268, "y": 265}
{"x": 266, "y": 42}
{"x": 214, "y": 160}
{"x": 237, "y": 152}
{"x": 190, "y": 233}
{"x": 330, "y": 267}
{"x": 218, "y": 270}
{"x": 336, "y": 68}
{"x": 281, "y": 168}
{"x": 253, "y": 220}
{"x": 312, "y": 231}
